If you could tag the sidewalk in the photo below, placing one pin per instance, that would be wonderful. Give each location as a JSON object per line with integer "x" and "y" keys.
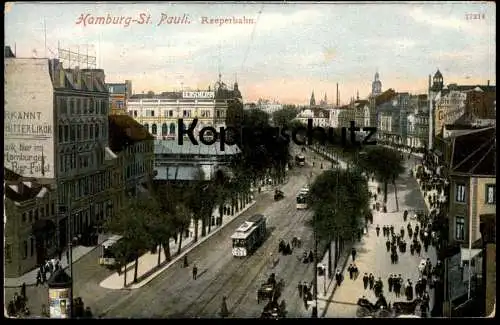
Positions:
{"x": 30, "y": 277}
{"x": 148, "y": 263}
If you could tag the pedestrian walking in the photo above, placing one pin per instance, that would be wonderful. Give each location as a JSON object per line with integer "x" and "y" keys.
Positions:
{"x": 224, "y": 312}
{"x": 377, "y": 230}
{"x": 402, "y": 232}
{"x": 392, "y": 230}
{"x": 23, "y": 291}
{"x": 405, "y": 215}
{"x": 186, "y": 261}
{"x": 300, "y": 288}
{"x": 195, "y": 272}
{"x": 412, "y": 249}
{"x": 355, "y": 271}
{"x": 378, "y": 287}
{"x": 389, "y": 283}
{"x": 365, "y": 281}
{"x": 418, "y": 249}
{"x": 388, "y": 245}
{"x": 384, "y": 231}
{"x": 350, "y": 269}
{"x": 338, "y": 277}
{"x": 353, "y": 254}
{"x": 38, "y": 278}
{"x": 371, "y": 280}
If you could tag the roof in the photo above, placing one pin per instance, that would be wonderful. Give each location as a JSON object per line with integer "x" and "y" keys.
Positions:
{"x": 385, "y": 96}
{"x": 474, "y": 153}
{"x": 438, "y": 74}
{"x": 361, "y": 102}
{"x": 187, "y": 148}
{"x": 9, "y": 175}
{"x": 123, "y": 129}
{"x": 485, "y": 88}
{"x": 23, "y": 191}
{"x": 7, "y": 52}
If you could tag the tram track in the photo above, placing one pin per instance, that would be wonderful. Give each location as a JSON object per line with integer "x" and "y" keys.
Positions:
{"x": 235, "y": 281}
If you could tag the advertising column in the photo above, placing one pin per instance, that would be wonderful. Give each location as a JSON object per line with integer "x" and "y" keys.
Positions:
{"x": 60, "y": 295}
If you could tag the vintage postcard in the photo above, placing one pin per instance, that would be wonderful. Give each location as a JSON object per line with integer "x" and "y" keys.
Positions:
{"x": 250, "y": 159}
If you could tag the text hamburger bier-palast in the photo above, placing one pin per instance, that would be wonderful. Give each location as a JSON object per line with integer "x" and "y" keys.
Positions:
{"x": 198, "y": 94}
{"x": 227, "y": 135}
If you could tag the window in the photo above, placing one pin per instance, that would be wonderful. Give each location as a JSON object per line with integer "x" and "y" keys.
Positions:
{"x": 85, "y": 106}
{"x": 66, "y": 133}
{"x": 186, "y": 113}
{"x": 73, "y": 133}
{"x": 32, "y": 246}
{"x": 460, "y": 193}
{"x": 63, "y": 105}
{"x": 31, "y": 217}
{"x": 73, "y": 106}
{"x": 24, "y": 217}
{"x": 146, "y": 126}
{"x": 459, "y": 228}
{"x": 61, "y": 133}
{"x": 91, "y": 131}
{"x": 170, "y": 113}
{"x": 164, "y": 129}
{"x": 91, "y": 106}
{"x": 97, "y": 131}
{"x": 47, "y": 209}
{"x": 8, "y": 253}
{"x": 25, "y": 249}
{"x": 491, "y": 194}
{"x": 172, "y": 128}
{"x": 85, "y": 131}
{"x": 52, "y": 208}
{"x": 78, "y": 133}
{"x": 154, "y": 129}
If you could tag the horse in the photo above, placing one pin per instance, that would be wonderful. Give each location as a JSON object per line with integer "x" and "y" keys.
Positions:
{"x": 404, "y": 307}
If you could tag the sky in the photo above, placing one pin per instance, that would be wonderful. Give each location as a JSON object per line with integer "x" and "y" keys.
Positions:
{"x": 284, "y": 53}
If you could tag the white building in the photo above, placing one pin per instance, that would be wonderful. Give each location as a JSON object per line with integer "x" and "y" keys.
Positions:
{"x": 268, "y": 106}
{"x": 320, "y": 117}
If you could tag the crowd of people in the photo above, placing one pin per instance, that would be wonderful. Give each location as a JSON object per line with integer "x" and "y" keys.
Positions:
{"x": 17, "y": 305}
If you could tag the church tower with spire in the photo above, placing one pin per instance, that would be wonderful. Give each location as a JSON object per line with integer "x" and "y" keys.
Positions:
{"x": 312, "y": 102}
{"x": 376, "y": 85}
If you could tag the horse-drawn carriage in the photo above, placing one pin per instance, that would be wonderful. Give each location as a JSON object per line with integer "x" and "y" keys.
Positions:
{"x": 270, "y": 290}
{"x": 381, "y": 309}
{"x": 273, "y": 310}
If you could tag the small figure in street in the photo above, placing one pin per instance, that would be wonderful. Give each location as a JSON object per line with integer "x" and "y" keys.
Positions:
{"x": 418, "y": 288}
{"x": 353, "y": 254}
{"x": 402, "y": 232}
{"x": 186, "y": 261}
{"x": 425, "y": 300}
{"x": 405, "y": 215}
{"x": 418, "y": 249}
{"x": 224, "y": 312}
{"x": 195, "y": 271}
{"x": 38, "y": 278}
{"x": 409, "y": 290}
{"x": 311, "y": 256}
{"x": 371, "y": 280}
{"x": 384, "y": 231}
{"x": 396, "y": 285}
{"x": 355, "y": 271}
{"x": 389, "y": 283}
{"x": 388, "y": 245}
{"x": 365, "y": 281}
{"x": 424, "y": 283}
{"x": 301, "y": 289}
{"x": 377, "y": 230}
{"x": 338, "y": 277}
{"x": 23, "y": 291}
{"x": 378, "y": 287}
{"x": 412, "y": 249}
{"x": 392, "y": 230}
{"x": 350, "y": 269}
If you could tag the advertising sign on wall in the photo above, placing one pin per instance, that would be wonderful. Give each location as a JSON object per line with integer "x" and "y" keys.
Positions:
{"x": 59, "y": 303}
{"x": 198, "y": 94}
{"x": 29, "y": 118}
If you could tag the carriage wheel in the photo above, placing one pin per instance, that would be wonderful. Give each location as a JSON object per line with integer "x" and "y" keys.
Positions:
{"x": 362, "y": 312}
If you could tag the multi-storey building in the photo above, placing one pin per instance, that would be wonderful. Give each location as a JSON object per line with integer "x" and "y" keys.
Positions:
{"x": 450, "y": 105}
{"x": 269, "y": 106}
{"x": 30, "y": 213}
{"x": 56, "y": 131}
{"x": 160, "y": 113}
{"x": 119, "y": 93}
{"x": 320, "y": 117}
{"x": 134, "y": 150}
{"x": 418, "y": 123}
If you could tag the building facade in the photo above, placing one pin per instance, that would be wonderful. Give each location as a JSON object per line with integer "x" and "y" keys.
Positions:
{"x": 119, "y": 93}
{"x": 133, "y": 148}
{"x": 418, "y": 123}
{"x": 320, "y": 117}
{"x": 57, "y": 132}
{"x": 30, "y": 212}
{"x": 160, "y": 114}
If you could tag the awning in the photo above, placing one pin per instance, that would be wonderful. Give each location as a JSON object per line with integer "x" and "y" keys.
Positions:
{"x": 109, "y": 154}
{"x": 466, "y": 254}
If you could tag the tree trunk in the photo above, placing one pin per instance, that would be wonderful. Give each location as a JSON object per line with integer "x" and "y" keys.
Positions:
{"x": 203, "y": 226}
{"x": 136, "y": 268}
{"x": 166, "y": 250}
{"x": 196, "y": 223}
{"x": 180, "y": 240}
{"x": 210, "y": 222}
{"x": 125, "y": 274}
{"x": 330, "y": 273}
{"x": 385, "y": 192}
{"x": 159, "y": 254}
{"x": 396, "y": 195}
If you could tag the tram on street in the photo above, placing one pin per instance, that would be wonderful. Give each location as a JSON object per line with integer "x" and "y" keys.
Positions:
{"x": 300, "y": 160}
{"x": 302, "y": 198}
{"x": 106, "y": 255}
{"x": 249, "y": 236}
